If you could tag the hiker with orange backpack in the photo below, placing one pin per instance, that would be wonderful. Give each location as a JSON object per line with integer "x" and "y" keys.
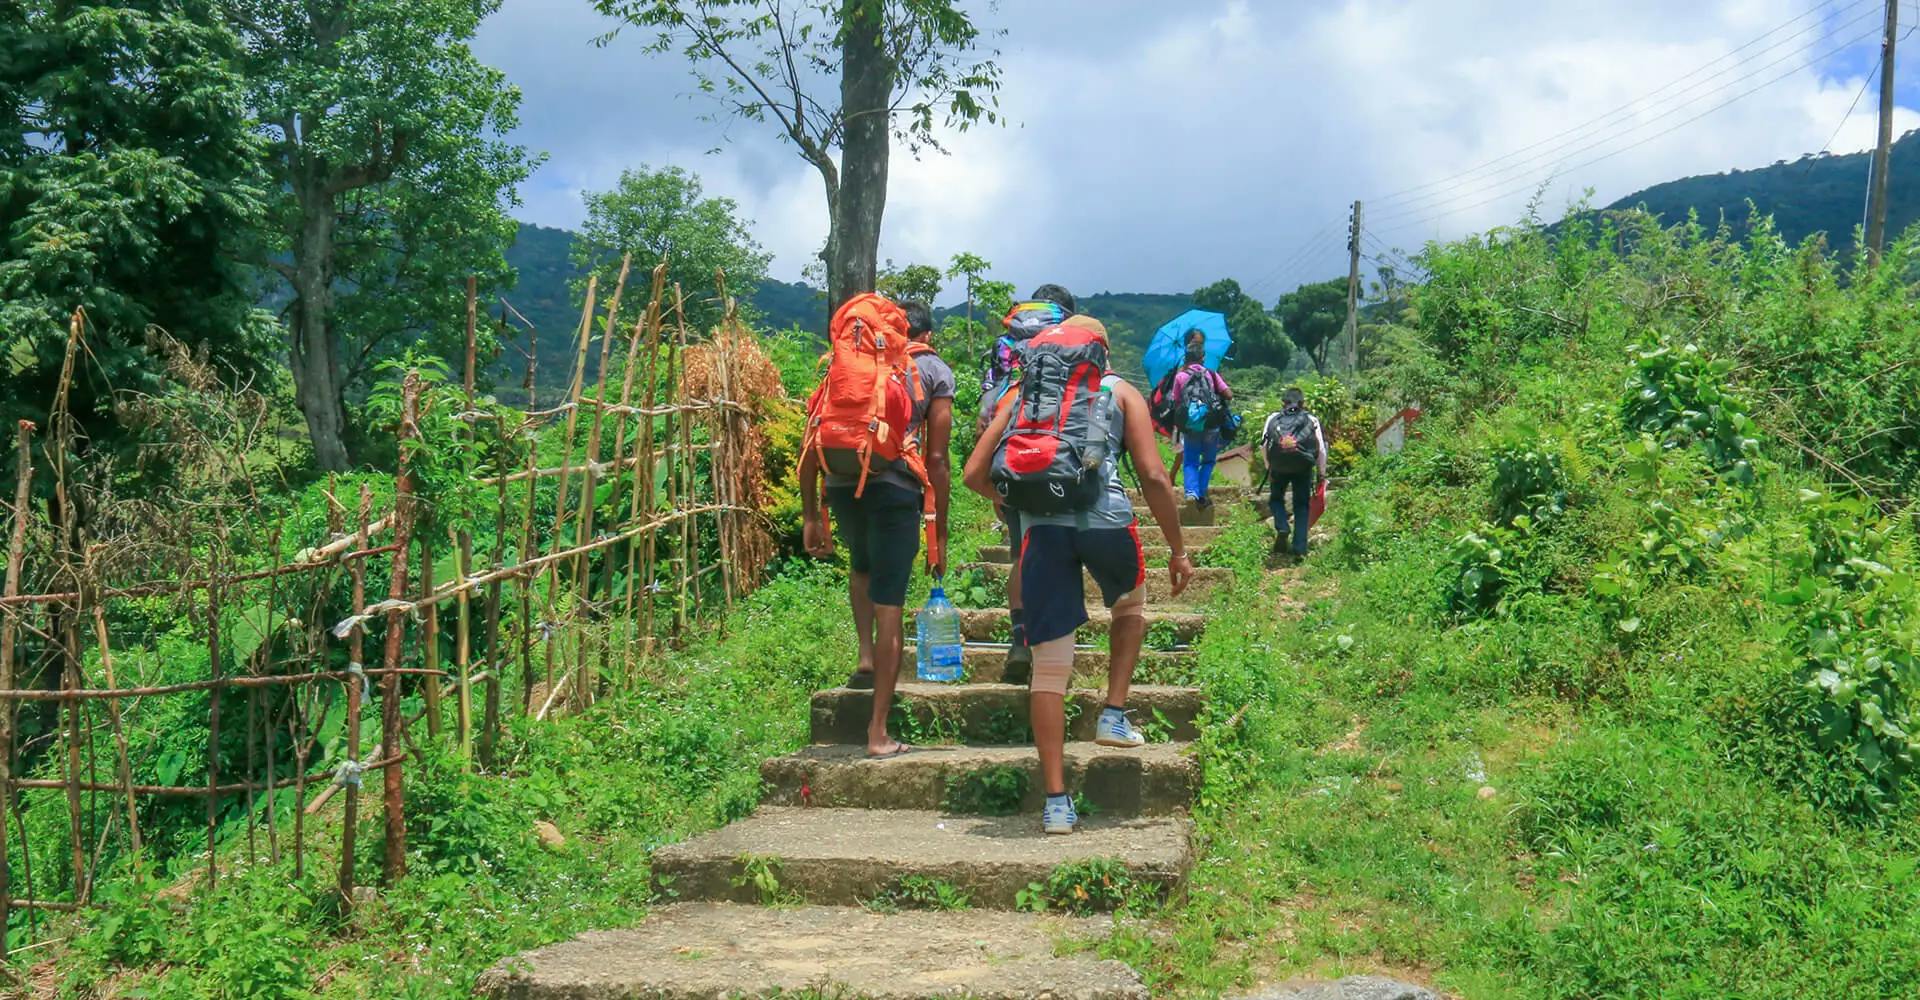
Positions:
{"x": 1052, "y": 452}
{"x": 878, "y": 428}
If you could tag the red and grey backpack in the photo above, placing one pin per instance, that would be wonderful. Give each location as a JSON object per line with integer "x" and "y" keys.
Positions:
{"x": 1051, "y": 455}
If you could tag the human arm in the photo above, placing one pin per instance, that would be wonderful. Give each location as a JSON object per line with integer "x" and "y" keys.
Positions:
{"x": 940, "y": 469}
{"x": 1321, "y": 437}
{"x": 1220, "y": 383}
{"x": 980, "y": 463}
{"x": 815, "y": 535}
{"x": 1155, "y": 484}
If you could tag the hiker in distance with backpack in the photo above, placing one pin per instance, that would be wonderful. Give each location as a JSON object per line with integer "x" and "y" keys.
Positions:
{"x": 1052, "y": 452}
{"x": 877, "y": 431}
{"x": 1296, "y": 452}
{"x": 1192, "y": 402}
{"x": 1049, "y": 305}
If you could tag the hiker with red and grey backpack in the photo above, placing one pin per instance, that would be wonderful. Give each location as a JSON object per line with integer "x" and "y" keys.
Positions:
{"x": 877, "y": 432}
{"x": 1052, "y": 452}
{"x": 1049, "y": 305}
{"x": 1296, "y": 454}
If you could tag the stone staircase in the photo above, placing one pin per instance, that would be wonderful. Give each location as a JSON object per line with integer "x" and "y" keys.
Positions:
{"x": 836, "y": 831}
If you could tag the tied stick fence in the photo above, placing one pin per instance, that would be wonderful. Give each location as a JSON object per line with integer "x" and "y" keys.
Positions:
{"x": 567, "y": 546}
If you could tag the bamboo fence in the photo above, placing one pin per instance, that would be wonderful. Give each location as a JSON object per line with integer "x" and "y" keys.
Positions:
{"x": 669, "y": 467}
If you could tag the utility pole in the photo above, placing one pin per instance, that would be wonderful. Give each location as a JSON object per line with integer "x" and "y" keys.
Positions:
{"x": 1353, "y": 290}
{"x": 1877, "y": 191}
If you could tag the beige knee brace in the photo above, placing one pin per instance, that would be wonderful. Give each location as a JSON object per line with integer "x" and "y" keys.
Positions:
{"x": 1132, "y": 604}
{"x": 1053, "y": 665}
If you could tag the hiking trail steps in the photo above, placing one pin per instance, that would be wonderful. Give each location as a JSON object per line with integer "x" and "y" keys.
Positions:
{"x": 836, "y": 829}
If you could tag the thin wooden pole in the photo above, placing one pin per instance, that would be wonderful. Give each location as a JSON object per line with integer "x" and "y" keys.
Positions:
{"x": 394, "y": 781}
{"x": 356, "y": 648}
{"x": 462, "y": 649}
{"x": 430, "y": 642}
{"x": 689, "y": 529}
{"x": 124, "y": 766}
{"x": 214, "y": 672}
{"x": 566, "y": 464}
{"x": 525, "y": 587}
{"x": 16, "y": 557}
{"x": 490, "y": 727}
{"x": 644, "y": 498}
{"x": 270, "y": 727}
{"x": 645, "y": 323}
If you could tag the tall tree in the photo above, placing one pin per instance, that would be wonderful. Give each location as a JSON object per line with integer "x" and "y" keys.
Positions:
{"x": 1314, "y": 315}
{"x": 972, "y": 267}
{"x": 653, "y": 214}
{"x": 1257, "y": 338}
{"x": 391, "y": 181}
{"x": 910, "y": 281}
{"x": 127, "y": 179}
{"x": 902, "y": 68}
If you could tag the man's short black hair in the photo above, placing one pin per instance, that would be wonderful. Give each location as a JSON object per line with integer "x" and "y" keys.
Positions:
{"x": 1056, "y": 295}
{"x": 919, "y": 317}
{"x": 1293, "y": 397}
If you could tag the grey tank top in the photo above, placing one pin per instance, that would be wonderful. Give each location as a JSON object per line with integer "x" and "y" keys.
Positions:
{"x": 1114, "y": 509}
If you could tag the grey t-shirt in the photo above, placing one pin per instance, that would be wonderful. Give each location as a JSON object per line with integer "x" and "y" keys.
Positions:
{"x": 936, "y": 382}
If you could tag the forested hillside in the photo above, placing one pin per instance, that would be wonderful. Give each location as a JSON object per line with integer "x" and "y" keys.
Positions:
{"x": 545, "y": 296}
{"x": 1815, "y": 194}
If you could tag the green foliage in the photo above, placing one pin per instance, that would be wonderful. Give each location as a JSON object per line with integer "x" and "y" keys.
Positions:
{"x": 1529, "y": 480}
{"x": 910, "y": 282}
{"x": 664, "y": 214}
{"x": 132, "y": 181}
{"x": 988, "y": 791}
{"x": 1096, "y": 885}
{"x": 1313, "y": 317}
{"x": 1680, "y": 399}
{"x": 389, "y": 183}
{"x": 763, "y": 875}
{"x": 919, "y": 892}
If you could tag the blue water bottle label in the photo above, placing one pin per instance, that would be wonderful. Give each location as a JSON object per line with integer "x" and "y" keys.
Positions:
{"x": 945, "y": 656}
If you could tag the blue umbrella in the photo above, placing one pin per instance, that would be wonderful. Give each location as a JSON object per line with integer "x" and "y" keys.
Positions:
{"x": 1169, "y": 347}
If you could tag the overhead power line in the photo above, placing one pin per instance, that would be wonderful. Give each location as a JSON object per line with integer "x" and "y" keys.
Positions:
{"x": 1533, "y": 182}
{"x": 1608, "y": 118}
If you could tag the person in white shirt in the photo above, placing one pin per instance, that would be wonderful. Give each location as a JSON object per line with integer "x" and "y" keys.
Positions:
{"x": 1296, "y": 453}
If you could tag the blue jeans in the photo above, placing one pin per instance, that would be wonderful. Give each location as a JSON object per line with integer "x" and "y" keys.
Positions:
{"x": 1198, "y": 454}
{"x": 1300, "y": 484}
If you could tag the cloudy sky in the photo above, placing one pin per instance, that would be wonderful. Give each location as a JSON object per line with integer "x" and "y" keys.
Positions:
{"x": 1156, "y": 145}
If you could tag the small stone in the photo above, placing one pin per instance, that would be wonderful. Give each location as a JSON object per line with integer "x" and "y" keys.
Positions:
{"x": 365, "y": 895}
{"x": 1487, "y": 792}
{"x": 550, "y": 835}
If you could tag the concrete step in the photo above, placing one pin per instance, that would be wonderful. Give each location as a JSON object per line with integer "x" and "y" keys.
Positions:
{"x": 1156, "y": 780}
{"x": 993, "y": 625}
{"x": 699, "y": 951}
{"x": 1190, "y": 514}
{"x": 993, "y": 714}
{"x": 1217, "y": 491}
{"x": 986, "y": 663}
{"x": 849, "y": 856}
{"x": 1207, "y": 581}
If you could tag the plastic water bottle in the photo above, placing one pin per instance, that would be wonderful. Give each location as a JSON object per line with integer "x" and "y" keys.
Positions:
{"x": 940, "y": 640}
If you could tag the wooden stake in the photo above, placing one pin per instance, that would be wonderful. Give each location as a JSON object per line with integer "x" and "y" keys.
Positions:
{"x": 461, "y": 651}
{"x": 16, "y": 557}
{"x": 431, "y": 641}
{"x": 119, "y": 735}
{"x": 356, "y": 691}
{"x": 560, "y": 500}
{"x": 390, "y": 722}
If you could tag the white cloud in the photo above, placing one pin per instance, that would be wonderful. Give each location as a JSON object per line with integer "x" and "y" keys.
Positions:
{"x": 1159, "y": 146}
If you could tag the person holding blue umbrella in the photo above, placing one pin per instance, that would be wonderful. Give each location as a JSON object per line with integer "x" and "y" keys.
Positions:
{"x": 1196, "y": 400}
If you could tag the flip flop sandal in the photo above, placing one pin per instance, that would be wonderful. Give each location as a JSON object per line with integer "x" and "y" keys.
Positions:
{"x": 899, "y": 750}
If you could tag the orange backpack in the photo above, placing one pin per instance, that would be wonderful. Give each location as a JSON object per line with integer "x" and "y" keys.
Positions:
{"x": 860, "y": 418}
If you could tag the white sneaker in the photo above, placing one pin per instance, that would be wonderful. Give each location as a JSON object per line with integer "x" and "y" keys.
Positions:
{"x": 1058, "y": 816}
{"x": 1114, "y": 729}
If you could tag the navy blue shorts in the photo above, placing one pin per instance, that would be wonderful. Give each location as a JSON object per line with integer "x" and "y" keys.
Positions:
{"x": 1051, "y": 559}
{"x": 881, "y": 530}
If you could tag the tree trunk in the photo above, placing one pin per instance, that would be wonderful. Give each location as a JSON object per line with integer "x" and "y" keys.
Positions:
{"x": 866, "y": 87}
{"x": 313, "y": 357}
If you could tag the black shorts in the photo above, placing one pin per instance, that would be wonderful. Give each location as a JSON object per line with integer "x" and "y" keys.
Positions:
{"x": 1051, "y": 558}
{"x": 881, "y": 530}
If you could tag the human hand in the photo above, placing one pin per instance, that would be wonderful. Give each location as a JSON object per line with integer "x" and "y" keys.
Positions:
{"x": 817, "y": 538}
{"x": 1180, "y": 572}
